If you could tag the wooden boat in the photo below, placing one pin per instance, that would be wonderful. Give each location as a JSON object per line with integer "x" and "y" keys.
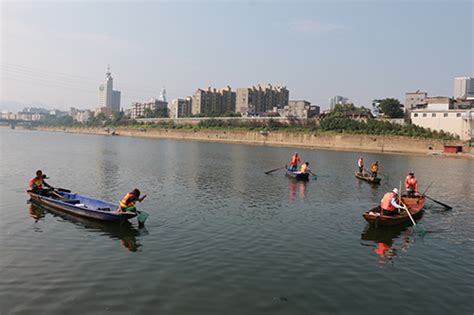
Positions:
{"x": 414, "y": 204}
{"x": 297, "y": 175}
{"x": 81, "y": 206}
{"x": 368, "y": 178}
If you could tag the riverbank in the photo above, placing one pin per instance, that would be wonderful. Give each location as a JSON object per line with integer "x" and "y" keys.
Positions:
{"x": 330, "y": 141}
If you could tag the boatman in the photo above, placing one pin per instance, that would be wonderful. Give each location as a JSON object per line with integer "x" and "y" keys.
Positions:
{"x": 305, "y": 168}
{"x": 389, "y": 203}
{"x": 128, "y": 202}
{"x": 295, "y": 159}
{"x": 411, "y": 184}
{"x": 37, "y": 183}
{"x": 360, "y": 164}
{"x": 374, "y": 168}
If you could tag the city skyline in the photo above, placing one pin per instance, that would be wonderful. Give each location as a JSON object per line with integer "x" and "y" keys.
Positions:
{"x": 360, "y": 50}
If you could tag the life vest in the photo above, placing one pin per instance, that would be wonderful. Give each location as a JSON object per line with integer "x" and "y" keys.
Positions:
{"x": 304, "y": 168}
{"x": 374, "y": 167}
{"x": 385, "y": 203}
{"x": 360, "y": 162}
{"x": 36, "y": 183}
{"x": 295, "y": 159}
{"x": 411, "y": 182}
{"x": 126, "y": 202}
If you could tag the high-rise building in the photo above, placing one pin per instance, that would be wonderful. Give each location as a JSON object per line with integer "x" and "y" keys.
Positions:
{"x": 181, "y": 107}
{"x": 258, "y": 99}
{"x": 464, "y": 88}
{"x": 213, "y": 101}
{"x": 107, "y": 96}
{"x": 335, "y": 100}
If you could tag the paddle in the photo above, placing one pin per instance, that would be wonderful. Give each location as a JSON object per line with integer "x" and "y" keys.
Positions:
{"x": 315, "y": 177}
{"x": 426, "y": 189}
{"x": 142, "y": 216}
{"x": 276, "y": 169}
{"x": 439, "y": 202}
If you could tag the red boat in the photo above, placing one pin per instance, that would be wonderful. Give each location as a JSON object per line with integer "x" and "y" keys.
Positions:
{"x": 414, "y": 204}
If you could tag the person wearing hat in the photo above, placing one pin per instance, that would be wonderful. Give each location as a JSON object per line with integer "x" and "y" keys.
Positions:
{"x": 411, "y": 185}
{"x": 128, "y": 202}
{"x": 295, "y": 159}
{"x": 389, "y": 203}
{"x": 37, "y": 184}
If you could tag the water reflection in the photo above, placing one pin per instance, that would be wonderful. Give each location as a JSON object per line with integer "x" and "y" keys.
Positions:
{"x": 297, "y": 188}
{"x": 125, "y": 232}
{"x": 388, "y": 241}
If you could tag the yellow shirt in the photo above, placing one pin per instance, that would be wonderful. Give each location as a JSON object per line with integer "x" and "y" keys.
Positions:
{"x": 304, "y": 168}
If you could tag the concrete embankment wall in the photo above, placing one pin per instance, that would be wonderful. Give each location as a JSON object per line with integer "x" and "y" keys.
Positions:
{"x": 349, "y": 142}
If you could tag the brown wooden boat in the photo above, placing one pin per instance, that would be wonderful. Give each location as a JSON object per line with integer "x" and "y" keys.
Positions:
{"x": 414, "y": 204}
{"x": 368, "y": 178}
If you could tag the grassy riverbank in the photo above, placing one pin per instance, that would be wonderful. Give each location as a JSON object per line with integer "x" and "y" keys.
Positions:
{"x": 287, "y": 138}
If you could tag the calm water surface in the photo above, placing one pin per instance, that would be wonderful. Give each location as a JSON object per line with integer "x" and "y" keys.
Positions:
{"x": 222, "y": 237}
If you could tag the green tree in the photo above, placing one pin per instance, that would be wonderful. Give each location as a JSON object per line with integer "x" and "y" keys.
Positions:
{"x": 391, "y": 107}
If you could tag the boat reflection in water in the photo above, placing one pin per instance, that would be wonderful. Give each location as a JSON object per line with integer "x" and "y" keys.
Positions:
{"x": 125, "y": 232}
{"x": 388, "y": 241}
{"x": 294, "y": 186}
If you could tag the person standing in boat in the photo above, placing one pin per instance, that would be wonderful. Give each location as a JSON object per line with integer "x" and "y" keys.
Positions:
{"x": 295, "y": 159}
{"x": 360, "y": 164}
{"x": 305, "y": 168}
{"x": 389, "y": 203}
{"x": 374, "y": 168}
{"x": 411, "y": 184}
{"x": 37, "y": 183}
{"x": 128, "y": 202}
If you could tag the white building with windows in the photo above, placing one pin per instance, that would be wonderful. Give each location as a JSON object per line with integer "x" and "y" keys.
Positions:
{"x": 455, "y": 121}
{"x": 107, "y": 96}
{"x": 464, "y": 88}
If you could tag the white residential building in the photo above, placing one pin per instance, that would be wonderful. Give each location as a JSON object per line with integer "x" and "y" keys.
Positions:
{"x": 181, "y": 107}
{"x": 300, "y": 109}
{"x": 456, "y": 121}
{"x": 139, "y": 109}
{"x": 464, "y": 88}
{"x": 333, "y": 101}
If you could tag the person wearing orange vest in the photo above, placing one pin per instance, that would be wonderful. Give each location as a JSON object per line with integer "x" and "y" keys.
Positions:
{"x": 295, "y": 159}
{"x": 37, "y": 183}
{"x": 360, "y": 164}
{"x": 411, "y": 184}
{"x": 128, "y": 202}
{"x": 389, "y": 203}
{"x": 305, "y": 168}
{"x": 374, "y": 168}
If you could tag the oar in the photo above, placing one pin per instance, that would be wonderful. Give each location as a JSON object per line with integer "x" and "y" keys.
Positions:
{"x": 315, "y": 176}
{"x": 142, "y": 216}
{"x": 271, "y": 171}
{"x": 439, "y": 202}
{"x": 409, "y": 214}
{"x": 426, "y": 189}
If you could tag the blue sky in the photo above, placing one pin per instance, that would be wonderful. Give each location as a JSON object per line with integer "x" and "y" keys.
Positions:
{"x": 57, "y": 53}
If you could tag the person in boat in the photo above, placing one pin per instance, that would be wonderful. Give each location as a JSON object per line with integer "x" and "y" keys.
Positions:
{"x": 128, "y": 202}
{"x": 360, "y": 164}
{"x": 411, "y": 185}
{"x": 295, "y": 159}
{"x": 37, "y": 184}
{"x": 374, "y": 168}
{"x": 305, "y": 168}
{"x": 389, "y": 203}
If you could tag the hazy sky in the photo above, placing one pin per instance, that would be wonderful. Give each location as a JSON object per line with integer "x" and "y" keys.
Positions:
{"x": 57, "y": 53}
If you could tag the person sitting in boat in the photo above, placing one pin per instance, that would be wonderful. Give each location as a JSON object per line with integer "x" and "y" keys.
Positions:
{"x": 128, "y": 202}
{"x": 295, "y": 159}
{"x": 360, "y": 164}
{"x": 411, "y": 185}
{"x": 389, "y": 203}
{"x": 305, "y": 168}
{"x": 37, "y": 184}
{"x": 374, "y": 168}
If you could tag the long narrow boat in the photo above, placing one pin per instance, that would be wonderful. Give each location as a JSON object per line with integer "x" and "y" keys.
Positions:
{"x": 414, "y": 204}
{"x": 368, "y": 178}
{"x": 297, "y": 175}
{"x": 82, "y": 206}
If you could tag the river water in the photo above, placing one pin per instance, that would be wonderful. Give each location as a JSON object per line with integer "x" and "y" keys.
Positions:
{"x": 223, "y": 237}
